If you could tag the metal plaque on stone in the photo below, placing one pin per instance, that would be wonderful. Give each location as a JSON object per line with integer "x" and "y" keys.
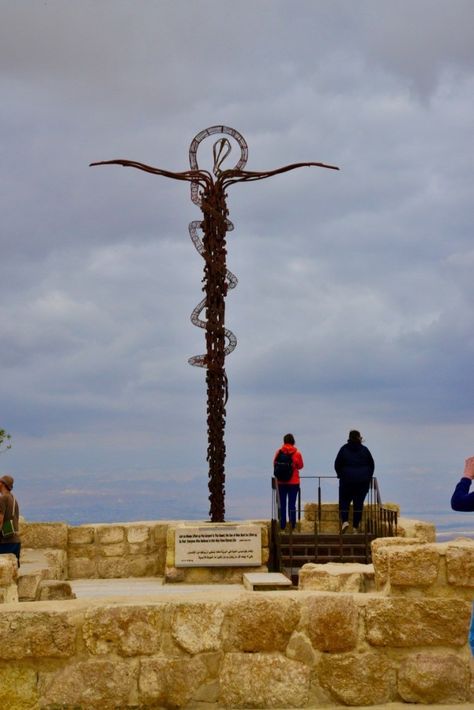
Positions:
{"x": 218, "y": 546}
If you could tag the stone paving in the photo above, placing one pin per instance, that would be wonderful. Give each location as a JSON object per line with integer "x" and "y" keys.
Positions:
{"x": 146, "y": 586}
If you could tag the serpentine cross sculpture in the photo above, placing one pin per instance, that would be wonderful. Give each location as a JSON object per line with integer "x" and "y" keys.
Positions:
{"x": 209, "y": 192}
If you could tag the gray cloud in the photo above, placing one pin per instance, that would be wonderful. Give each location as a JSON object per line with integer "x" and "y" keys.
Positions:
{"x": 354, "y": 303}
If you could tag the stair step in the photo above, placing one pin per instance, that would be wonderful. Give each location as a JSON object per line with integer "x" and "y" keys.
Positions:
{"x": 325, "y": 537}
{"x": 322, "y": 559}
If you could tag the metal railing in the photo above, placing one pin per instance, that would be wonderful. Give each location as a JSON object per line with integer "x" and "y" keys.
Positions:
{"x": 378, "y": 520}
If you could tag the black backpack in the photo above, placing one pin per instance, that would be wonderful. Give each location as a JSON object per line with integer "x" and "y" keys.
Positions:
{"x": 283, "y": 466}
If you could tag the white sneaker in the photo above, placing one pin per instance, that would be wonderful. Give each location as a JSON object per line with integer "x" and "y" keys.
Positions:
{"x": 345, "y": 526}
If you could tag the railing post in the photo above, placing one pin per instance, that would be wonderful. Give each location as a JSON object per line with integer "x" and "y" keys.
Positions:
{"x": 319, "y": 504}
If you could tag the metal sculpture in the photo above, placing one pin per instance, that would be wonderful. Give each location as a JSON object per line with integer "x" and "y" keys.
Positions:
{"x": 209, "y": 193}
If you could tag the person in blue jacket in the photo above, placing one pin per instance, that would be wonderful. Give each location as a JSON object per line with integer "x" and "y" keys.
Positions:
{"x": 461, "y": 499}
{"x": 355, "y": 467}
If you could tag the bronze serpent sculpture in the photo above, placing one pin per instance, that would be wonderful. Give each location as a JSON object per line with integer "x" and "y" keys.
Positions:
{"x": 210, "y": 193}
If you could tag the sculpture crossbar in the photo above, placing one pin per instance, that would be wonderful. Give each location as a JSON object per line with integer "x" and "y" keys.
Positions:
{"x": 209, "y": 192}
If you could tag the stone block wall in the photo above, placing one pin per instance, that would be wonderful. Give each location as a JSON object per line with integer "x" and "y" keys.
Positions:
{"x": 121, "y": 550}
{"x": 408, "y": 567}
{"x": 252, "y": 650}
{"x": 116, "y": 551}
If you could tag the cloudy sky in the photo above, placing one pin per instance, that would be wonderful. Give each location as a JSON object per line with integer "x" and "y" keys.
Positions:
{"x": 354, "y": 302}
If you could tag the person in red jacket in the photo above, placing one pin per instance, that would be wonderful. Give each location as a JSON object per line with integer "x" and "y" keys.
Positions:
{"x": 288, "y": 490}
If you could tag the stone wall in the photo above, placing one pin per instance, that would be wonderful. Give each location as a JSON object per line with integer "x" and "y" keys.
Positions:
{"x": 121, "y": 550}
{"x": 254, "y": 650}
{"x": 406, "y": 640}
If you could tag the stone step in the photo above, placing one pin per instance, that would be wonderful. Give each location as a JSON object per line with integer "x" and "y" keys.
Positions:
{"x": 266, "y": 581}
{"x": 297, "y": 562}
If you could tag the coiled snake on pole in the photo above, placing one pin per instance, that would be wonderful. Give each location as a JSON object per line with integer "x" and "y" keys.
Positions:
{"x": 208, "y": 191}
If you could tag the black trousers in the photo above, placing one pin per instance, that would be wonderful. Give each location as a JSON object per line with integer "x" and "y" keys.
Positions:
{"x": 352, "y": 492}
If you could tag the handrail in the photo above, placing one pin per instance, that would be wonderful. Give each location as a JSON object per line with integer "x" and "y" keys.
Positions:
{"x": 379, "y": 521}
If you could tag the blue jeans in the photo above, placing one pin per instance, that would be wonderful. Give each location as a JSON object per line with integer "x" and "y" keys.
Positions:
{"x": 288, "y": 494}
{"x": 11, "y": 548}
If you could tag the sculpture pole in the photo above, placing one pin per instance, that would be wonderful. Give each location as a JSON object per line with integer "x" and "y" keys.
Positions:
{"x": 210, "y": 194}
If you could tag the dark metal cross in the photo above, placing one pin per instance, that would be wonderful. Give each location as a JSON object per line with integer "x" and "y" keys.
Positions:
{"x": 209, "y": 192}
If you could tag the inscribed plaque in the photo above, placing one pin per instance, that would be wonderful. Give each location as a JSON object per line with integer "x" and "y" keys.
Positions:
{"x": 218, "y": 546}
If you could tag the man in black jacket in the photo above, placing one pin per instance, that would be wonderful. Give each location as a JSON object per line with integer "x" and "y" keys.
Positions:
{"x": 461, "y": 499}
{"x": 354, "y": 466}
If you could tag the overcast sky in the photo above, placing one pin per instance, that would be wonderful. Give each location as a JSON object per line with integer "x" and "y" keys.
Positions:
{"x": 354, "y": 307}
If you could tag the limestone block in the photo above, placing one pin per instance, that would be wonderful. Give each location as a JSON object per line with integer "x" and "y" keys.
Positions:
{"x": 170, "y": 537}
{"x": 357, "y": 679}
{"x": 331, "y": 622}
{"x": 460, "y": 563}
{"x": 329, "y": 516}
{"x": 265, "y": 534}
{"x": 39, "y": 535}
{"x": 124, "y": 630}
{"x": 335, "y": 577}
{"x": 55, "y": 589}
{"x": 159, "y": 534}
{"x": 112, "y": 567}
{"x": 81, "y": 535}
{"x": 408, "y": 622}
{"x": 142, "y": 565}
{"x": 380, "y": 556}
{"x": 160, "y": 557}
{"x": 300, "y": 649}
{"x": 28, "y": 586}
{"x": 95, "y": 685}
{"x": 170, "y": 682}
{"x": 110, "y": 534}
{"x": 118, "y": 549}
{"x": 424, "y": 532}
{"x": 261, "y": 680}
{"x": 51, "y": 563}
{"x": 260, "y": 623}
{"x": 8, "y": 570}
{"x": 413, "y": 566}
{"x": 208, "y": 693}
{"x": 82, "y": 552}
{"x": 138, "y": 533}
{"x": 197, "y": 627}
{"x": 174, "y": 575}
{"x": 471, "y": 693}
{"x": 38, "y": 634}
{"x": 170, "y": 557}
{"x": 18, "y": 688}
{"x": 425, "y": 678}
{"x": 9, "y": 594}
{"x": 82, "y": 568}
{"x": 56, "y": 561}
{"x": 139, "y": 548}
